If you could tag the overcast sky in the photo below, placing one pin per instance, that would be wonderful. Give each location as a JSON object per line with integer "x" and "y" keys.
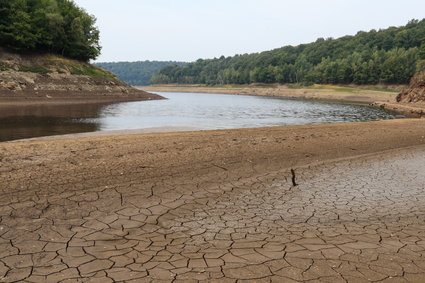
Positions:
{"x": 186, "y": 30}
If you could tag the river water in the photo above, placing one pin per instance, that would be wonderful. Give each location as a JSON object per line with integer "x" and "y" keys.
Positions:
{"x": 181, "y": 110}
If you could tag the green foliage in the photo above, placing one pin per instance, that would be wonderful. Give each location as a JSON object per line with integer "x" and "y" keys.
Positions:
{"x": 3, "y": 67}
{"x": 56, "y": 26}
{"x": 422, "y": 50}
{"x": 136, "y": 73}
{"x": 35, "y": 69}
{"x": 385, "y": 56}
{"x": 90, "y": 70}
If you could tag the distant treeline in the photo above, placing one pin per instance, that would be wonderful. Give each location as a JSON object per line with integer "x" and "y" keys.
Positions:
{"x": 386, "y": 56}
{"x": 56, "y": 26}
{"x": 137, "y": 73}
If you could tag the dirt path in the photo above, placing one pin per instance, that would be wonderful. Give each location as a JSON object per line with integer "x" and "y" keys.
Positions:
{"x": 217, "y": 205}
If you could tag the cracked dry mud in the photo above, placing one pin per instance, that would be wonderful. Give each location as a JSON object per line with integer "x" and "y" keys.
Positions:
{"x": 124, "y": 210}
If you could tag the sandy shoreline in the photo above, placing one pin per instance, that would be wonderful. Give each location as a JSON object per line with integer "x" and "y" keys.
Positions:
{"x": 256, "y": 144}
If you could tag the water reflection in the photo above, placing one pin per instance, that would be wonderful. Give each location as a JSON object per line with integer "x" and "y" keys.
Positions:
{"x": 20, "y": 122}
{"x": 91, "y": 110}
{"x": 219, "y": 111}
{"x": 202, "y": 111}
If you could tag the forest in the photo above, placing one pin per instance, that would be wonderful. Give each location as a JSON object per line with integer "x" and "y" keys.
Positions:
{"x": 137, "y": 73}
{"x": 387, "y": 56}
{"x": 54, "y": 26}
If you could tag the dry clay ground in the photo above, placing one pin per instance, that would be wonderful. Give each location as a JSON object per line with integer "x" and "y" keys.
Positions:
{"x": 217, "y": 206}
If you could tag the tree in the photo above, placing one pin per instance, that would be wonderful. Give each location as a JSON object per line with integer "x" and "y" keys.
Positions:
{"x": 57, "y": 26}
{"x": 422, "y": 50}
{"x": 19, "y": 31}
{"x": 366, "y": 58}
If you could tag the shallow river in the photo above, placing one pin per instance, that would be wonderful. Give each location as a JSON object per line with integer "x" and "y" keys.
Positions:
{"x": 180, "y": 110}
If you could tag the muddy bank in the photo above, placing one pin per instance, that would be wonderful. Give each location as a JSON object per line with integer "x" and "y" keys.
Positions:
{"x": 76, "y": 100}
{"x": 414, "y": 110}
{"x": 274, "y": 146}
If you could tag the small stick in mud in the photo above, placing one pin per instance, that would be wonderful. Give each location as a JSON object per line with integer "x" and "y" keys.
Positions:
{"x": 294, "y": 183}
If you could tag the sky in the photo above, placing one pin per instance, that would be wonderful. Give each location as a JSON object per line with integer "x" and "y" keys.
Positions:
{"x": 186, "y": 30}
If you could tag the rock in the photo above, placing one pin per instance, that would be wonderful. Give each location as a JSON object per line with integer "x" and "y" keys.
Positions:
{"x": 415, "y": 92}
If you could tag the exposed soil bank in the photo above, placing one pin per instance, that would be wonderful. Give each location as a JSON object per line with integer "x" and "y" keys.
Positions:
{"x": 320, "y": 92}
{"x": 409, "y": 109}
{"x": 216, "y": 205}
{"x": 33, "y": 88}
{"x": 272, "y": 146}
{"x": 46, "y": 78}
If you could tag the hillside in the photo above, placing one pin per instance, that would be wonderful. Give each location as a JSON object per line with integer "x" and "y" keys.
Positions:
{"x": 45, "y": 47}
{"x": 137, "y": 73}
{"x": 387, "y": 56}
{"x": 47, "y": 77}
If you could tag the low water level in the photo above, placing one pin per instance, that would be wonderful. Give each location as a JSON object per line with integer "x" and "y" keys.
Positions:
{"x": 193, "y": 110}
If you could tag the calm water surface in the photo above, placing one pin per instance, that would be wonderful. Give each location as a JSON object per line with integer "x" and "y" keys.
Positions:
{"x": 197, "y": 110}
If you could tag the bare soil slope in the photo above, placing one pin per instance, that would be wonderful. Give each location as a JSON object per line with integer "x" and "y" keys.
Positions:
{"x": 29, "y": 77}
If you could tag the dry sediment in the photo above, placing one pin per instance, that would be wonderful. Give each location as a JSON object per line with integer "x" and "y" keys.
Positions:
{"x": 331, "y": 93}
{"x": 217, "y": 205}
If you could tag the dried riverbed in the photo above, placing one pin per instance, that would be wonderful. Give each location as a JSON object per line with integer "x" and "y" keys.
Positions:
{"x": 217, "y": 205}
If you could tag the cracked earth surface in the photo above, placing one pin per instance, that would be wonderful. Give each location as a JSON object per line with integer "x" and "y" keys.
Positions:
{"x": 69, "y": 214}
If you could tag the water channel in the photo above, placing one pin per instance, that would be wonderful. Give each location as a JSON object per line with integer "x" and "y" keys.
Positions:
{"x": 179, "y": 110}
